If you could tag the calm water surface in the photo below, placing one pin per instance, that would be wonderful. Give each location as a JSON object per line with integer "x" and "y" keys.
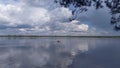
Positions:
{"x": 48, "y": 52}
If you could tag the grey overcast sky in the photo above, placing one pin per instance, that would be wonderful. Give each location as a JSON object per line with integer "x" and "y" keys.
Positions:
{"x": 44, "y": 17}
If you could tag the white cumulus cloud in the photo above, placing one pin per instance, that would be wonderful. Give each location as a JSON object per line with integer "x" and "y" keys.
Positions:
{"x": 38, "y": 17}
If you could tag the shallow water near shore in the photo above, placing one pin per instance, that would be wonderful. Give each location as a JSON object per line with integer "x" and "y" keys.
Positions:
{"x": 59, "y": 52}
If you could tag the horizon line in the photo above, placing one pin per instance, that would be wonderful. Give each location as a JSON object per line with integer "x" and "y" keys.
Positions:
{"x": 95, "y": 36}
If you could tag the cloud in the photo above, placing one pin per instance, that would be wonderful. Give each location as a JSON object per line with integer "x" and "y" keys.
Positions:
{"x": 8, "y": 14}
{"x": 45, "y": 17}
{"x": 35, "y": 16}
{"x": 39, "y": 14}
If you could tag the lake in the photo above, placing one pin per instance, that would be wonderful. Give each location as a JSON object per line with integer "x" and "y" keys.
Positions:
{"x": 59, "y": 52}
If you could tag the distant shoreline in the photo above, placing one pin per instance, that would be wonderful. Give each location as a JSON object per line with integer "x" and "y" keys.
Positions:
{"x": 60, "y": 36}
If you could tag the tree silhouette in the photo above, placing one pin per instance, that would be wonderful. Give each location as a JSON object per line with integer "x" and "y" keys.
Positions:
{"x": 82, "y": 5}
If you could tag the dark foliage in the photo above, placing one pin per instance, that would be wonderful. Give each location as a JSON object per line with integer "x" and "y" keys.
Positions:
{"x": 82, "y": 5}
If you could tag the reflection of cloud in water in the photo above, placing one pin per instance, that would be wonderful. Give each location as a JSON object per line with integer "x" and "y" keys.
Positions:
{"x": 45, "y": 54}
{"x": 83, "y": 47}
{"x": 48, "y": 53}
{"x": 104, "y": 55}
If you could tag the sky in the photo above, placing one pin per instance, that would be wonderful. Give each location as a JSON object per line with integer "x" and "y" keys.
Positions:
{"x": 44, "y": 17}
